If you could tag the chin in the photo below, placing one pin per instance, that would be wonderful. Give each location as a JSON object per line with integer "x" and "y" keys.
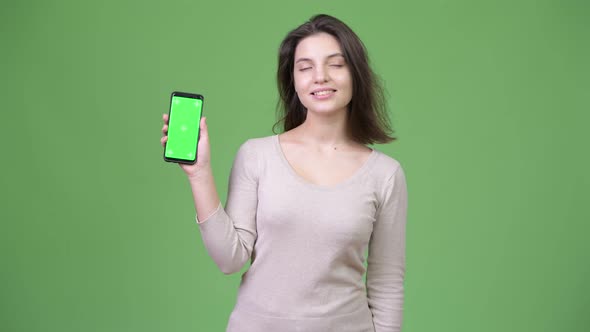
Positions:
{"x": 325, "y": 109}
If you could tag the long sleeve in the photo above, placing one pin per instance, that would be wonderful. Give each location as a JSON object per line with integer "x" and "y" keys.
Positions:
{"x": 229, "y": 234}
{"x": 386, "y": 259}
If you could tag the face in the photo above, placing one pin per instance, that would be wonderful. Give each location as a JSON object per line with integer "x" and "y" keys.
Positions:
{"x": 322, "y": 78}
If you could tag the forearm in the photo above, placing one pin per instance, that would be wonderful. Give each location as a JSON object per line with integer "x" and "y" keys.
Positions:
{"x": 228, "y": 233}
{"x": 387, "y": 257}
{"x": 220, "y": 237}
{"x": 204, "y": 192}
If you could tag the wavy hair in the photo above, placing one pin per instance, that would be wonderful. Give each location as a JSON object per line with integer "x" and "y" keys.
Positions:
{"x": 368, "y": 121}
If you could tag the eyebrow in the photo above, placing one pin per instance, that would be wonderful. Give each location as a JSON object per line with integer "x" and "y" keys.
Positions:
{"x": 329, "y": 56}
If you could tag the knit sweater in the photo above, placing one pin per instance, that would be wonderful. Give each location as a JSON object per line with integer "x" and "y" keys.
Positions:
{"x": 307, "y": 244}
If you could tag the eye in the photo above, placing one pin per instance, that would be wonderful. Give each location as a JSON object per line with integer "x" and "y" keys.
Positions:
{"x": 336, "y": 65}
{"x": 304, "y": 68}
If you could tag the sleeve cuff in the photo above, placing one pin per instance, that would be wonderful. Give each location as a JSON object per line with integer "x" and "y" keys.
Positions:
{"x": 209, "y": 217}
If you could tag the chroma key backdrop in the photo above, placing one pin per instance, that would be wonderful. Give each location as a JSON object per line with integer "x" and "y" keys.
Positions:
{"x": 488, "y": 99}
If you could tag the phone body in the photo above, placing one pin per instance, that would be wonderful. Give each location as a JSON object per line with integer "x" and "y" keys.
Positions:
{"x": 184, "y": 118}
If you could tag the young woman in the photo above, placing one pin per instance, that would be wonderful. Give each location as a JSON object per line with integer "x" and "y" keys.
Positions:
{"x": 304, "y": 205}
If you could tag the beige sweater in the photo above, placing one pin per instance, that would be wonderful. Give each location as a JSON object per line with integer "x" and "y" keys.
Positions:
{"x": 307, "y": 243}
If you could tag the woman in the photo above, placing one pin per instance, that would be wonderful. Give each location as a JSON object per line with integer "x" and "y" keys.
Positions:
{"x": 304, "y": 205}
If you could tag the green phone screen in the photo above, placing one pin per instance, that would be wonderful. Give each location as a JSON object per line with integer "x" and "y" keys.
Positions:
{"x": 183, "y": 128}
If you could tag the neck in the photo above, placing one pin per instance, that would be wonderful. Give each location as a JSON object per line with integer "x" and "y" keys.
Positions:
{"x": 325, "y": 130}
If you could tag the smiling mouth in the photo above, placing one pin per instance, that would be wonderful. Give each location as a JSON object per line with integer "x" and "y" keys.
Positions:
{"x": 323, "y": 92}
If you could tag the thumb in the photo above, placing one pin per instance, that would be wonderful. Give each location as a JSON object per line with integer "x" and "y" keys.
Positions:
{"x": 204, "y": 131}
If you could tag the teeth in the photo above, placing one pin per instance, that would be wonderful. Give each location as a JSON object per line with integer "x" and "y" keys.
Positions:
{"x": 323, "y": 93}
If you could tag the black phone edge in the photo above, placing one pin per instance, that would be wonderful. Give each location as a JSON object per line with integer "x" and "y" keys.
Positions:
{"x": 186, "y": 95}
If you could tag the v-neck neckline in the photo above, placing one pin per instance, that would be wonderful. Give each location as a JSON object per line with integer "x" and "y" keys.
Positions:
{"x": 361, "y": 170}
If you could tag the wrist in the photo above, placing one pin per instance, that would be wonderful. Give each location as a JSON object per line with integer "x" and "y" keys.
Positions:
{"x": 200, "y": 175}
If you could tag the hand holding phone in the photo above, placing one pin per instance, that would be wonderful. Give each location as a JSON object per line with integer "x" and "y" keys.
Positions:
{"x": 199, "y": 173}
{"x": 183, "y": 129}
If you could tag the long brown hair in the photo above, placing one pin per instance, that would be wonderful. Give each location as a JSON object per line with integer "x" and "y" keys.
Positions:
{"x": 368, "y": 121}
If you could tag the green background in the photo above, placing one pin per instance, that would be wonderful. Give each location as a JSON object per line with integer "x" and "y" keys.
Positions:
{"x": 489, "y": 100}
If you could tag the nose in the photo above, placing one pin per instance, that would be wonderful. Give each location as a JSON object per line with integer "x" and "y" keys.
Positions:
{"x": 320, "y": 75}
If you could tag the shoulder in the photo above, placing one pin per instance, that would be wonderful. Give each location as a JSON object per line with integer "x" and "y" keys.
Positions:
{"x": 253, "y": 152}
{"x": 385, "y": 167}
{"x": 259, "y": 144}
{"x": 389, "y": 179}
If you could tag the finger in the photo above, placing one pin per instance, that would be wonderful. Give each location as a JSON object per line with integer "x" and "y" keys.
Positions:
{"x": 164, "y": 129}
{"x": 165, "y": 117}
{"x": 163, "y": 140}
{"x": 204, "y": 130}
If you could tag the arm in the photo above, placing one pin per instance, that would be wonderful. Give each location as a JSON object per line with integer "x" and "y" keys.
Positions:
{"x": 386, "y": 260}
{"x": 199, "y": 175}
{"x": 229, "y": 234}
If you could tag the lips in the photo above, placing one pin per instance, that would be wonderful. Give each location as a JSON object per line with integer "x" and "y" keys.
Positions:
{"x": 323, "y": 92}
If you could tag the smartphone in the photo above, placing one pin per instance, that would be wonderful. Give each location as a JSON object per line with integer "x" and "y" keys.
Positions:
{"x": 184, "y": 118}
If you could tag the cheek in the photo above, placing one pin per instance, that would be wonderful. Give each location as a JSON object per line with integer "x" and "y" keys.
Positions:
{"x": 299, "y": 82}
{"x": 346, "y": 83}
{"x": 346, "y": 80}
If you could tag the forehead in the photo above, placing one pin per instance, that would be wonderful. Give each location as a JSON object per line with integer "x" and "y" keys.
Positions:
{"x": 317, "y": 46}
